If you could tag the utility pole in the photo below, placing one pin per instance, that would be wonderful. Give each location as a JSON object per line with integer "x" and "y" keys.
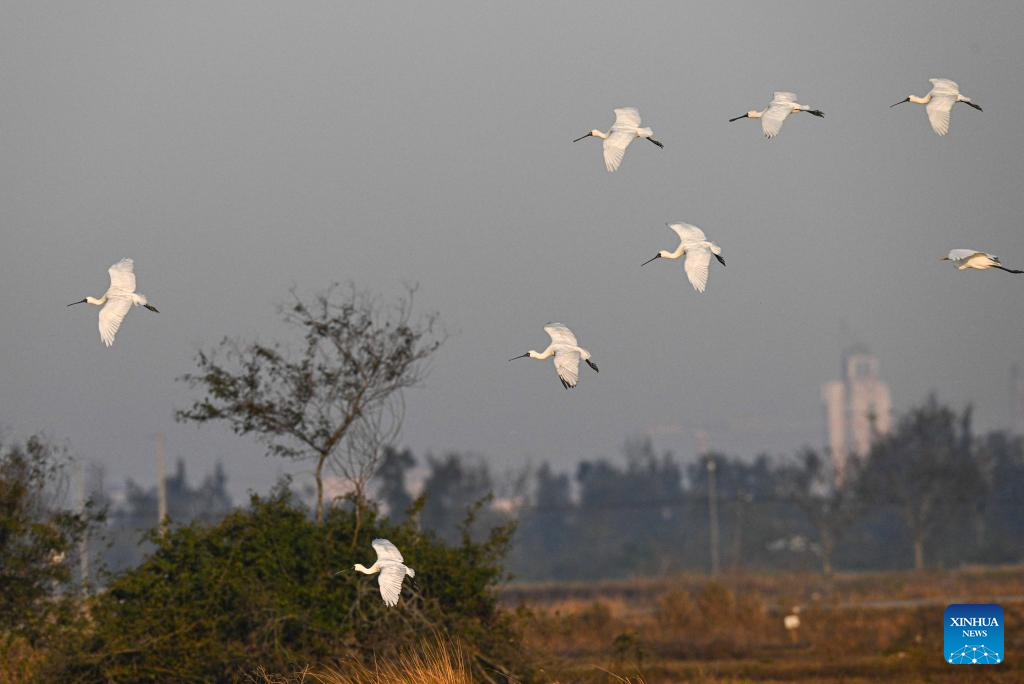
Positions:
{"x": 713, "y": 516}
{"x": 161, "y": 483}
{"x": 83, "y": 547}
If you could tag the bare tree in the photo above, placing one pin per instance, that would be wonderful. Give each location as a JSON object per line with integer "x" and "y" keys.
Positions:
{"x": 337, "y": 399}
{"x": 926, "y": 469}
{"x": 830, "y": 505}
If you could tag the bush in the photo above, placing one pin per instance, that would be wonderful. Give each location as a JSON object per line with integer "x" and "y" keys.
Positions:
{"x": 38, "y": 540}
{"x": 260, "y": 589}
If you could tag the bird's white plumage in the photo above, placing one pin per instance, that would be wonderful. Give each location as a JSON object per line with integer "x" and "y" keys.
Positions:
{"x": 118, "y": 300}
{"x": 386, "y": 551}
{"x": 122, "y": 277}
{"x": 560, "y": 334}
{"x": 964, "y": 259}
{"x": 697, "y": 250}
{"x": 565, "y": 353}
{"x": 944, "y": 86}
{"x": 627, "y": 121}
{"x": 773, "y": 117}
{"x": 943, "y": 95}
{"x": 567, "y": 365}
{"x": 391, "y": 569}
{"x": 938, "y": 109}
{"x": 111, "y": 315}
{"x": 698, "y": 261}
{"x": 961, "y": 254}
{"x": 688, "y": 232}
{"x": 390, "y": 581}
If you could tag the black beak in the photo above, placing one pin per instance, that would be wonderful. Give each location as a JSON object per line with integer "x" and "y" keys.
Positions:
{"x": 78, "y": 302}
{"x": 662, "y": 146}
{"x": 151, "y": 308}
{"x": 519, "y": 357}
{"x": 737, "y": 118}
{"x": 720, "y": 259}
{"x": 650, "y": 260}
{"x": 816, "y": 112}
{"x": 582, "y": 137}
{"x": 593, "y": 365}
{"x": 906, "y": 99}
{"x": 978, "y": 107}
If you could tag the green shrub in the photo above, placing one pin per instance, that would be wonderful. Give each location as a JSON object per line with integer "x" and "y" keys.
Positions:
{"x": 259, "y": 589}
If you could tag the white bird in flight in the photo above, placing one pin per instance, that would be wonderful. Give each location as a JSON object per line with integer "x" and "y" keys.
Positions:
{"x": 782, "y": 105}
{"x": 567, "y": 354}
{"x": 698, "y": 250}
{"x": 971, "y": 258}
{"x": 939, "y": 103}
{"x": 392, "y": 569}
{"x": 117, "y": 300}
{"x": 625, "y": 130}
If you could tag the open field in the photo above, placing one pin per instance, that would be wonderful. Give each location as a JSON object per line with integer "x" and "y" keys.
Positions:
{"x": 856, "y": 627}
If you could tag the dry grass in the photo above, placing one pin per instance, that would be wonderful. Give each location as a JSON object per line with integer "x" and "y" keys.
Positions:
{"x": 433, "y": 662}
{"x": 859, "y": 627}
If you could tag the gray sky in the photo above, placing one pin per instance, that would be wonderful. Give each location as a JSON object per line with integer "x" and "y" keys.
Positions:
{"x": 235, "y": 149}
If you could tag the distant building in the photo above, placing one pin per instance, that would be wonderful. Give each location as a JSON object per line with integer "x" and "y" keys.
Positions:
{"x": 857, "y": 408}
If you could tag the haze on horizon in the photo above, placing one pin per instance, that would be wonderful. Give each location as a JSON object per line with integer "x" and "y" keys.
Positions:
{"x": 236, "y": 150}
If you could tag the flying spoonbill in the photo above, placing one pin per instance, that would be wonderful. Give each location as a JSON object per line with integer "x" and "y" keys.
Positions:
{"x": 567, "y": 354}
{"x": 117, "y": 300}
{"x": 970, "y": 258}
{"x": 392, "y": 569}
{"x": 698, "y": 250}
{"x": 782, "y": 105}
{"x": 625, "y": 130}
{"x": 939, "y": 103}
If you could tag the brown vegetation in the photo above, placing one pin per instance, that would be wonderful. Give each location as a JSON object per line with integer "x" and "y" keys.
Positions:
{"x": 434, "y": 662}
{"x": 857, "y": 627}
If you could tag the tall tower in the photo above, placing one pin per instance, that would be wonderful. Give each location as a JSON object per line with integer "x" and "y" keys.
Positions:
{"x": 857, "y": 408}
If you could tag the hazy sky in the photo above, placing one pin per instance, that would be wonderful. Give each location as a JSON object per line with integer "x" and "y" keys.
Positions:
{"x": 234, "y": 149}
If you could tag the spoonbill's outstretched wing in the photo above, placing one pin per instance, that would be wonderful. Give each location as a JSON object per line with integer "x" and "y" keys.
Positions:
{"x": 781, "y": 106}
{"x": 567, "y": 365}
{"x": 560, "y": 334}
{"x": 113, "y": 312}
{"x": 627, "y": 120}
{"x": 386, "y": 551}
{"x": 122, "y": 278}
{"x": 944, "y": 94}
{"x": 698, "y": 259}
{"x": 688, "y": 232}
{"x": 390, "y": 581}
{"x": 964, "y": 254}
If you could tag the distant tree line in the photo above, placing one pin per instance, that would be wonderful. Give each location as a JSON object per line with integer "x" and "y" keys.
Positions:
{"x": 931, "y": 493}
